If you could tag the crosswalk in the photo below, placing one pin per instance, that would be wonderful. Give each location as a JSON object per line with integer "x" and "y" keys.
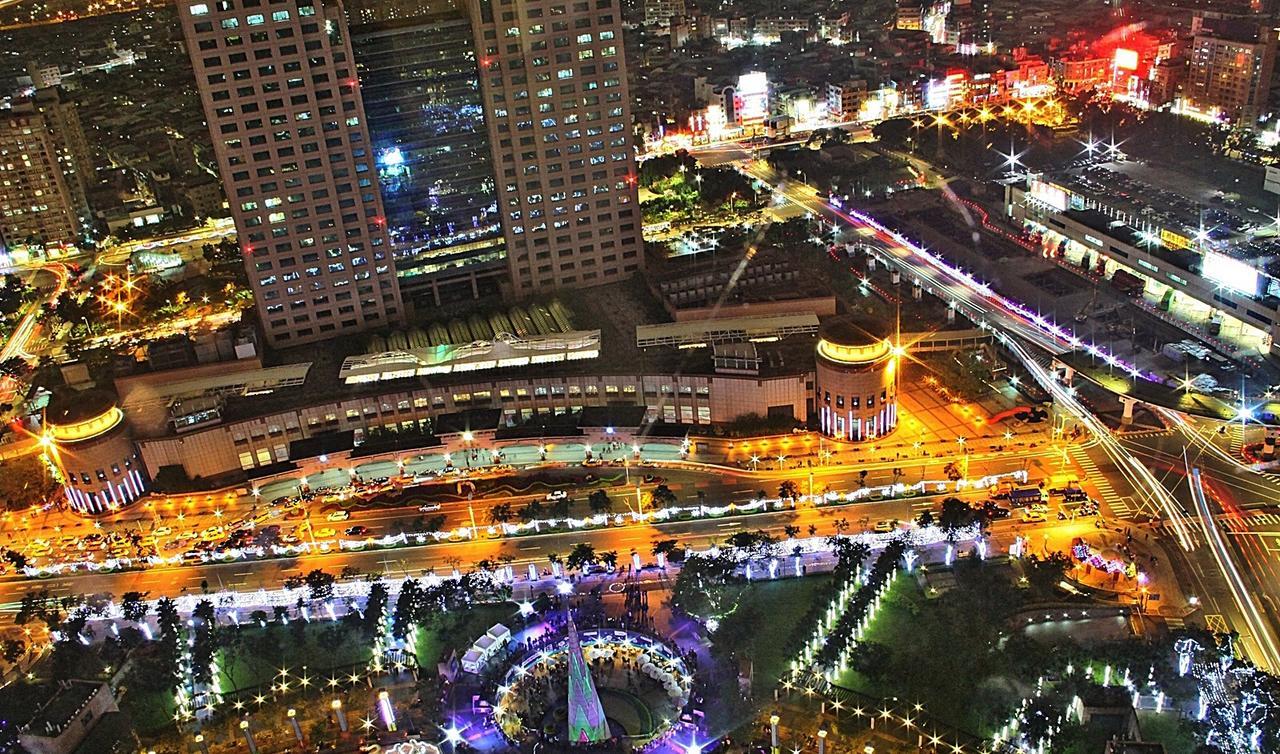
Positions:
{"x": 1257, "y": 519}
{"x": 1122, "y": 507}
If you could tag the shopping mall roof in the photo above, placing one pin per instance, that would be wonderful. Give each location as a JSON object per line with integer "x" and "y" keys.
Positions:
{"x": 503, "y": 351}
{"x": 703, "y": 331}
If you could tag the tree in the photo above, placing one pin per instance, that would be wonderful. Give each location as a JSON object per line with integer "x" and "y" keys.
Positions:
{"x": 925, "y": 519}
{"x": 410, "y": 608}
{"x": 26, "y": 481}
{"x": 15, "y": 558}
{"x": 707, "y": 585}
{"x": 670, "y": 548}
{"x": 500, "y": 513}
{"x": 134, "y": 606}
{"x": 872, "y": 659}
{"x": 375, "y": 609}
{"x": 791, "y": 531}
{"x": 609, "y": 558}
{"x": 788, "y": 490}
{"x": 531, "y": 512}
{"x": 581, "y": 556}
{"x": 599, "y": 502}
{"x": 1044, "y": 574}
{"x": 320, "y": 585}
{"x": 663, "y": 497}
{"x": 956, "y": 515}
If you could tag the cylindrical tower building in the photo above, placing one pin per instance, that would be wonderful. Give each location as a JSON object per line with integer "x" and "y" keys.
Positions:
{"x": 856, "y": 380}
{"x": 87, "y": 439}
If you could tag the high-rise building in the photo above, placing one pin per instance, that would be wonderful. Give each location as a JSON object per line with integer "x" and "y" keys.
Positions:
{"x": 77, "y": 161}
{"x": 44, "y": 166}
{"x": 1229, "y": 68}
{"x": 660, "y": 12}
{"x": 554, "y": 81}
{"x": 421, "y": 90}
{"x": 278, "y": 83}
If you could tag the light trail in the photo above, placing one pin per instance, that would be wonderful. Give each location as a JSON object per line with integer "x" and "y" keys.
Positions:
{"x": 1239, "y": 591}
{"x": 980, "y": 304}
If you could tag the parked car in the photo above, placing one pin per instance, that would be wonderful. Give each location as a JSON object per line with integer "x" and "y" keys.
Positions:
{"x": 339, "y": 516}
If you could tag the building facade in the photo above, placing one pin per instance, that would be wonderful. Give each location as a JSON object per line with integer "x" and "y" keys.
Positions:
{"x": 659, "y": 13}
{"x": 280, "y": 93}
{"x": 261, "y": 441}
{"x": 44, "y": 167}
{"x": 554, "y": 81}
{"x": 87, "y": 439}
{"x": 1229, "y": 69}
{"x": 421, "y": 89}
{"x": 855, "y": 382}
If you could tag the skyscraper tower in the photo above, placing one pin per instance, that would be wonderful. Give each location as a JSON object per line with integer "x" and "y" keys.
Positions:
{"x": 421, "y": 88}
{"x": 554, "y": 80}
{"x": 587, "y": 723}
{"x": 280, "y": 94}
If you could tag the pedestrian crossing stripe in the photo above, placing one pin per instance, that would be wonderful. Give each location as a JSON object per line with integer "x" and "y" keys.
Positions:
{"x": 1174, "y": 622}
{"x": 1117, "y": 504}
{"x": 1269, "y": 519}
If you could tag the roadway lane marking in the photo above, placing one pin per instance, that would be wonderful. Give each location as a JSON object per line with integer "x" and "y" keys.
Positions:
{"x": 532, "y": 547}
{"x": 1108, "y": 494}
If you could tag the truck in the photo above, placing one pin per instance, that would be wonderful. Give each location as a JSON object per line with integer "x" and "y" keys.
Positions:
{"x": 1127, "y": 283}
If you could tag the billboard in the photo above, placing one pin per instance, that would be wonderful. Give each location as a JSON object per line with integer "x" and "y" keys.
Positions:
{"x": 1230, "y": 273}
{"x": 1047, "y": 193}
{"x": 1126, "y": 60}
{"x": 1173, "y": 240}
{"x": 753, "y": 95}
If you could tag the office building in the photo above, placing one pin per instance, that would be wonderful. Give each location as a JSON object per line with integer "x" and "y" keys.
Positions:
{"x": 1229, "y": 69}
{"x": 44, "y": 165}
{"x": 280, "y": 93}
{"x": 660, "y": 12}
{"x": 421, "y": 90}
{"x": 554, "y": 81}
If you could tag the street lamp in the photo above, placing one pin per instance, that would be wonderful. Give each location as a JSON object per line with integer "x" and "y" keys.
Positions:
{"x": 336, "y": 706}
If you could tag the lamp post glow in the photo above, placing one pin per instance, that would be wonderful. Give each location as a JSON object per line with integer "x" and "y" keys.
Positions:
{"x": 336, "y": 706}
{"x": 773, "y": 731}
{"x": 248, "y": 736}
{"x": 293, "y": 720}
{"x": 387, "y": 712}
{"x": 822, "y": 741}
{"x": 204, "y": 745}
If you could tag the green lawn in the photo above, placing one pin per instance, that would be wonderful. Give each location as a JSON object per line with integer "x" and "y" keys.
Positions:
{"x": 1176, "y": 734}
{"x": 457, "y": 632}
{"x": 771, "y": 610}
{"x": 150, "y": 711}
{"x": 263, "y": 652}
{"x": 945, "y": 653}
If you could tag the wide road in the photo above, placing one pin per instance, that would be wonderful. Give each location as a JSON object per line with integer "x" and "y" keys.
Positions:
{"x": 717, "y": 488}
{"x": 1243, "y": 505}
{"x": 247, "y": 576}
{"x": 1020, "y": 330}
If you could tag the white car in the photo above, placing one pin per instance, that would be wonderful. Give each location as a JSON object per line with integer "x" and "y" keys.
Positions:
{"x": 557, "y": 495}
{"x": 162, "y": 531}
{"x": 429, "y": 508}
{"x": 339, "y": 516}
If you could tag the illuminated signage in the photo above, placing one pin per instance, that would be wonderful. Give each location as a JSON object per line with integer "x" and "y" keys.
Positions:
{"x": 1230, "y": 273}
{"x": 1049, "y": 194}
{"x": 1173, "y": 240}
{"x": 753, "y": 95}
{"x": 1126, "y": 60}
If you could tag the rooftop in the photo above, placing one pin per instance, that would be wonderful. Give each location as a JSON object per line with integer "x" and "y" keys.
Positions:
{"x": 57, "y": 712}
{"x": 71, "y": 406}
